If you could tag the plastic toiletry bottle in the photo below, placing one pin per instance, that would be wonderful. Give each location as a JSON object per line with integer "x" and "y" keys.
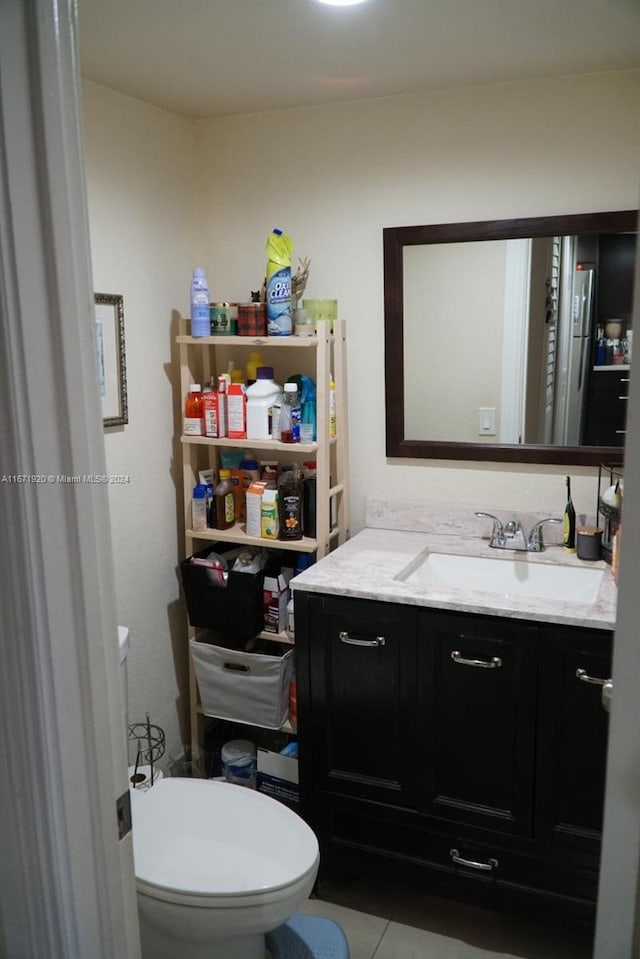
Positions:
{"x": 260, "y": 399}
{"x": 290, "y": 415}
{"x": 199, "y": 508}
{"x": 200, "y": 322}
{"x": 309, "y": 492}
{"x": 193, "y": 423}
{"x": 569, "y": 533}
{"x": 290, "y": 506}
{"x": 278, "y": 249}
{"x": 224, "y": 501}
{"x": 332, "y": 408}
{"x": 269, "y": 514}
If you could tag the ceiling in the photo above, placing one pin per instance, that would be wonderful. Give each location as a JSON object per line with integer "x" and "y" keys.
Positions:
{"x": 209, "y": 58}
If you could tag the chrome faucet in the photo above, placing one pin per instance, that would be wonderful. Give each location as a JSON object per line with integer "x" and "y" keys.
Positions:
{"x": 512, "y": 536}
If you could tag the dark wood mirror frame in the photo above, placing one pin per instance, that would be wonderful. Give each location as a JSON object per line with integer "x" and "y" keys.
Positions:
{"x": 395, "y": 239}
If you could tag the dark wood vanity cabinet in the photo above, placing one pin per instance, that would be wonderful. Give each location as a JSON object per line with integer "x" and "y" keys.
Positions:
{"x": 606, "y": 411}
{"x": 572, "y": 740}
{"x": 476, "y": 727}
{"x": 462, "y": 750}
{"x": 362, "y": 661}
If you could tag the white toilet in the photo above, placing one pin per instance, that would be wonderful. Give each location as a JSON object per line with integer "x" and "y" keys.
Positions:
{"x": 217, "y": 867}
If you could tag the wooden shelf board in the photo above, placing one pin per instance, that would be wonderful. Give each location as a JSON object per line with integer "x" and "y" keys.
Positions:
{"x": 238, "y": 535}
{"x": 273, "y": 445}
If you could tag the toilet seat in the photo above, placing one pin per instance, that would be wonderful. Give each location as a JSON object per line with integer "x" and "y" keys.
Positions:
{"x": 212, "y": 844}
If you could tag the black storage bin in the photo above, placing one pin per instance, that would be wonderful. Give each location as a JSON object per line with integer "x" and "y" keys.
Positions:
{"x": 235, "y": 608}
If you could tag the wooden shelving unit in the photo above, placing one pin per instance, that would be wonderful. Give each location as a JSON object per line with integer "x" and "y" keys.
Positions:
{"x": 318, "y": 356}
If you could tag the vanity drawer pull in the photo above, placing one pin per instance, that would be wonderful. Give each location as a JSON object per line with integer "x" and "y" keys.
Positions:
{"x": 484, "y": 866}
{"x": 494, "y": 663}
{"x": 354, "y": 641}
{"x": 623, "y": 397}
{"x": 585, "y": 678}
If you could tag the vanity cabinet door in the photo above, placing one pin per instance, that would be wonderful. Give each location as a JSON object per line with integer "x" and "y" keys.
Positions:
{"x": 476, "y": 732}
{"x": 572, "y": 738}
{"x": 362, "y": 676}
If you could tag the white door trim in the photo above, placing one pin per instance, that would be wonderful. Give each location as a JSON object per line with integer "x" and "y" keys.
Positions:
{"x": 517, "y": 284}
{"x": 618, "y": 923}
{"x": 67, "y": 888}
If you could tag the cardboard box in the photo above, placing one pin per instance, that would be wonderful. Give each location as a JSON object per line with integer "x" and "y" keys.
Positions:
{"x": 277, "y": 777}
{"x": 276, "y": 597}
{"x": 253, "y": 503}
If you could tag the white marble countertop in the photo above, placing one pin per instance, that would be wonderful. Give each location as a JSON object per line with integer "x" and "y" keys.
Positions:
{"x": 367, "y": 567}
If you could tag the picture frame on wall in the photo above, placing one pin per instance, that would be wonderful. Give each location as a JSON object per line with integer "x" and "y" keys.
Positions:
{"x": 111, "y": 358}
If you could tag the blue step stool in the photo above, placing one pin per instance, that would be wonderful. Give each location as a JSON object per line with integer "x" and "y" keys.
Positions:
{"x": 308, "y": 937}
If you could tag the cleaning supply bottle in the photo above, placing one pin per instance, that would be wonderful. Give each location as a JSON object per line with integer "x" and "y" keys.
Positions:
{"x": 332, "y": 408}
{"x": 193, "y": 423}
{"x": 235, "y": 373}
{"x": 308, "y": 404}
{"x": 569, "y": 534}
{"x": 278, "y": 249}
{"x": 200, "y": 322}
{"x": 260, "y": 398}
{"x": 224, "y": 501}
{"x": 254, "y": 361}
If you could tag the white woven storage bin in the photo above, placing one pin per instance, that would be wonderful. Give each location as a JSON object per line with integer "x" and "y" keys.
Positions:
{"x": 243, "y": 687}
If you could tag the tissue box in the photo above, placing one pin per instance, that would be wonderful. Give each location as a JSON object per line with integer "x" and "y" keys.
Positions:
{"x": 275, "y": 599}
{"x": 277, "y": 776}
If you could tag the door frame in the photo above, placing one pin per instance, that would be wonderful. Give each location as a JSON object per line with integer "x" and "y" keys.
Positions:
{"x": 618, "y": 918}
{"x": 67, "y": 885}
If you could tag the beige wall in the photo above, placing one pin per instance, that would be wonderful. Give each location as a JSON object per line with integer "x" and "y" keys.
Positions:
{"x": 454, "y": 310}
{"x": 332, "y": 177}
{"x": 142, "y": 220}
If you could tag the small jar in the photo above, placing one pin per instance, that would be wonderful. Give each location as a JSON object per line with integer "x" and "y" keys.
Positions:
{"x": 589, "y": 542}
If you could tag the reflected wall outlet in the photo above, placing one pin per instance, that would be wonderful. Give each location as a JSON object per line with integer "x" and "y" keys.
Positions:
{"x": 486, "y": 421}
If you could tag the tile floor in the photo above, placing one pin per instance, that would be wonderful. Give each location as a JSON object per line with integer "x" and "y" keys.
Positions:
{"x": 385, "y": 921}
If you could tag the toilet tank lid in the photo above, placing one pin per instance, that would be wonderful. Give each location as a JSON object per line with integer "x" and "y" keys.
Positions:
{"x": 202, "y": 837}
{"x": 123, "y": 642}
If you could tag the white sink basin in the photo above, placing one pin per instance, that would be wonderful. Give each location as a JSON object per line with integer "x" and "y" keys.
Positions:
{"x": 506, "y": 575}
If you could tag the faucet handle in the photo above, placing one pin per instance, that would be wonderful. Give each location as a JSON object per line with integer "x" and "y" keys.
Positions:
{"x": 535, "y": 543}
{"x": 498, "y": 529}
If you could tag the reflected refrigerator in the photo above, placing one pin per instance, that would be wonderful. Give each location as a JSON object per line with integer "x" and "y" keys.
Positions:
{"x": 579, "y": 355}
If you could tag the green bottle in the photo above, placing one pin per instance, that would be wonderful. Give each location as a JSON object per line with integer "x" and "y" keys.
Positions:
{"x": 569, "y": 537}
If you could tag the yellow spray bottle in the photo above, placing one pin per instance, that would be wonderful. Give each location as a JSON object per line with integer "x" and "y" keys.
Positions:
{"x": 278, "y": 249}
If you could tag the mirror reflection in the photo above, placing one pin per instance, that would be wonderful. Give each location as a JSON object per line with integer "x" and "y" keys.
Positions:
{"x": 512, "y": 342}
{"x": 533, "y": 328}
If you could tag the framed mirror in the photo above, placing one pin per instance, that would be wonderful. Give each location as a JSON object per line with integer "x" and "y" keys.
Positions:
{"x": 509, "y": 340}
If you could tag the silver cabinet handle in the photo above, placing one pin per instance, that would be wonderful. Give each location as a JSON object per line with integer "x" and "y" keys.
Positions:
{"x": 354, "y": 641}
{"x": 494, "y": 663}
{"x": 484, "y": 866}
{"x": 585, "y": 678}
{"x": 607, "y": 692}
